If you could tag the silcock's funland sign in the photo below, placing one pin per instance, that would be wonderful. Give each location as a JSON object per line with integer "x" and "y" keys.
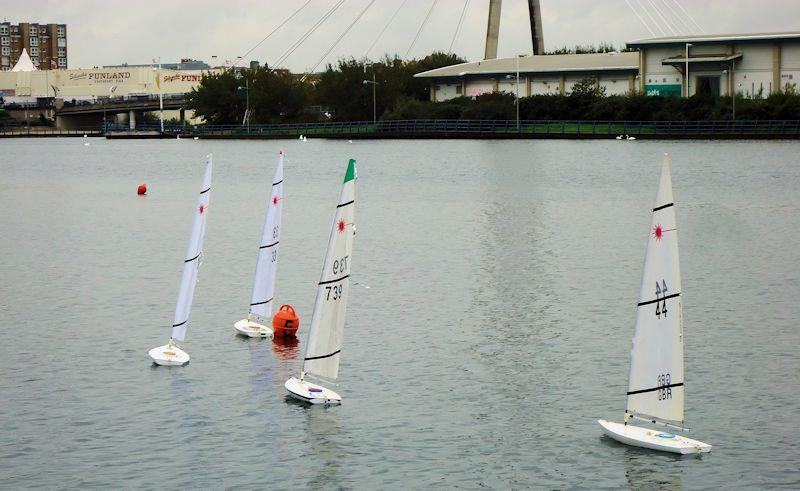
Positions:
{"x": 100, "y": 76}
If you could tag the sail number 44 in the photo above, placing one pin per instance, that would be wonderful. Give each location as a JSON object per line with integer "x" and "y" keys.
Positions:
{"x": 661, "y": 300}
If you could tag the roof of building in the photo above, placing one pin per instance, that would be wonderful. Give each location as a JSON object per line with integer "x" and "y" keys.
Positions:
{"x": 715, "y": 38}
{"x": 24, "y": 64}
{"x": 591, "y": 62}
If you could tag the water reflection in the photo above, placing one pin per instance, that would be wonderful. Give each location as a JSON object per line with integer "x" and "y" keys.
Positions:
{"x": 286, "y": 348}
{"x": 322, "y": 440}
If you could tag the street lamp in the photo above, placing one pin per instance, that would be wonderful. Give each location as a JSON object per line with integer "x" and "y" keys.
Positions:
{"x": 246, "y": 118}
{"x": 516, "y": 99}
{"x": 374, "y": 103}
{"x": 731, "y": 90}
{"x": 686, "y": 72}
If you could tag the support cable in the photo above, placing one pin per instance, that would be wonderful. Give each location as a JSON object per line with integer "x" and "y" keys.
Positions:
{"x": 683, "y": 24}
{"x": 458, "y": 27}
{"x": 421, "y": 27}
{"x": 384, "y": 28}
{"x": 342, "y": 35}
{"x": 666, "y": 22}
{"x": 650, "y": 16}
{"x": 286, "y": 54}
{"x": 271, "y": 33}
{"x": 703, "y": 31}
{"x": 646, "y": 26}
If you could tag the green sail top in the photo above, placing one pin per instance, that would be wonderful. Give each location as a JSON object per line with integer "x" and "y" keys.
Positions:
{"x": 351, "y": 171}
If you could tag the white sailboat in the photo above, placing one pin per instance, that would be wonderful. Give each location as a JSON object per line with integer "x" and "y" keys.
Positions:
{"x": 171, "y": 354}
{"x": 655, "y": 385}
{"x": 323, "y": 349}
{"x": 257, "y": 322}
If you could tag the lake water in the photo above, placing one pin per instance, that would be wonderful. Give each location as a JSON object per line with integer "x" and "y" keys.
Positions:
{"x": 489, "y": 325}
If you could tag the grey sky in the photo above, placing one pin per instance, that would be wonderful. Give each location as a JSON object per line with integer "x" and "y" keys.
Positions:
{"x": 103, "y": 32}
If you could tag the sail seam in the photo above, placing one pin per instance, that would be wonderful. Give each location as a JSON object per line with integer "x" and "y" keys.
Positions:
{"x": 276, "y": 183}
{"x": 659, "y": 299}
{"x": 182, "y": 323}
{"x": 634, "y": 392}
{"x": 663, "y": 206}
{"x": 309, "y": 358}
{"x": 207, "y": 190}
{"x": 334, "y": 281}
{"x": 269, "y": 245}
{"x": 345, "y": 204}
{"x": 192, "y": 259}
{"x": 261, "y": 303}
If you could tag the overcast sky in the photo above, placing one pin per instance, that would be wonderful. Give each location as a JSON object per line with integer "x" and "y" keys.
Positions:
{"x": 105, "y": 32}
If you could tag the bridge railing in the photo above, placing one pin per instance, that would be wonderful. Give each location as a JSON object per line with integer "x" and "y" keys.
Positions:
{"x": 444, "y": 127}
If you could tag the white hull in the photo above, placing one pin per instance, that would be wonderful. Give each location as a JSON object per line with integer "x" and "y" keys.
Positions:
{"x": 169, "y": 355}
{"x": 652, "y": 439}
{"x": 312, "y": 393}
{"x": 252, "y": 329}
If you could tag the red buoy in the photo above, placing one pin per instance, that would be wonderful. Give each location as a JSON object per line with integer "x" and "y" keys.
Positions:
{"x": 142, "y": 189}
{"x": 285, "y": 322}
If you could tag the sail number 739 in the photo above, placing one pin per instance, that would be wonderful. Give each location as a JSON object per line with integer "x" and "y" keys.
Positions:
{"x": 340, "y": 265}
{"x": 333, "y": 292}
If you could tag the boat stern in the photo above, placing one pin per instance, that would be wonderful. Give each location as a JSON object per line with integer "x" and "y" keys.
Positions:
{"x": 252, "y": 329}
{"x": 169, "y": 355}
{"x": 312, "y": 393}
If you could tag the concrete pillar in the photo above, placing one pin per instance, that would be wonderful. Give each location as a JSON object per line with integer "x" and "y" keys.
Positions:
{"x": 527, "y": 86}
{"x": 182, "y": 115}
{"x": 492, "y": 29}
{"x": 631, "y": 84}
{"x": 132, "y": 119}
{"x": 433, "y": 92}
{"x": 562, "y": 83}
{"x": 642, "y": 69}
{"x": 495, "y": 85}
{"x": 776, "y": 67}
{"x": 537, "y": 36}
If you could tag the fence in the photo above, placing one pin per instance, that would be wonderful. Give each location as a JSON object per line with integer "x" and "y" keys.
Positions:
{"x": 454, "y": 128}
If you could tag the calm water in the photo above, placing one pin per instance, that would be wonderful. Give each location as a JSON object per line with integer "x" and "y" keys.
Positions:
{"x": 496, "y": 328}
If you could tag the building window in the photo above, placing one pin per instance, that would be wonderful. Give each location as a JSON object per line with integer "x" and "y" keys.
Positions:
{"x": 4, "y": 41}
{"x": 60, "y": 32}
{"x": 43, "y": 31}
{"x": 4, "y": 30}
{"x": 34, "y": 51}
{"x": 62, "y": 42}
{"x": 34, "y": 41}
{"x": 62, "y": 62}
{"x": 458, "y": 89}
{"x": 61, "y": 52}
{"x": 6, "y": 50}
{"x": 4, "y": 61}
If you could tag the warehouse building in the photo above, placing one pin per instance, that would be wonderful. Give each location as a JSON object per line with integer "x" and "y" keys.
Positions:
{"x": 754, "y": 65}
{"x": 541, "y": 74}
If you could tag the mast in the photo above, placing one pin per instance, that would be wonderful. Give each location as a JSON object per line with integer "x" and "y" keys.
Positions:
{"x": 194, "y": 252}
{"x": 267, "y": 264}
{"x": 655, "y": 387}
{"x": 327, "y": 323}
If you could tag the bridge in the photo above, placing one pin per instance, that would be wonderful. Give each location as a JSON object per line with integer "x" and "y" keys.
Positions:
{"x": 127, "y": 109}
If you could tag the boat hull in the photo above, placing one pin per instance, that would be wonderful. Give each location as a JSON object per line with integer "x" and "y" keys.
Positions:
{"x": 653, "y": 439}
{"x": 251, "y": 329}
{"x": 169, "y": 356}
{"x": 305, "y": 391}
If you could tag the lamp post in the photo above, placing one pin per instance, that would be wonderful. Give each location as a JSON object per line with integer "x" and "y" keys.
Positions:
{"x": 686, "y": 72}
{"x": 374, "y": 93}
{"x": 516, "y": 98}
{"x": 246, "y": 88}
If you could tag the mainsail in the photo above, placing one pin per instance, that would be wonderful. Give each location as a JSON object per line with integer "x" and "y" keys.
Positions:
{"x": 327, "y": 322}
{"x": 655, "y": 387}
{"x": 267, "y": 264}
{"x": 193, "y": 258}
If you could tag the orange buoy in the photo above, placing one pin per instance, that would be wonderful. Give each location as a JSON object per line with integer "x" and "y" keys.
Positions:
{"x": 142, "y": 189}
{"x": 285, "y": 323}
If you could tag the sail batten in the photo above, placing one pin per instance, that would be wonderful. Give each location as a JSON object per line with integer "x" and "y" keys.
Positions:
{"x": 326, "y": 333}
{"x": 656, "y": 381}
{"x": 194, "y": 252}
{"x": 267, "y": 262}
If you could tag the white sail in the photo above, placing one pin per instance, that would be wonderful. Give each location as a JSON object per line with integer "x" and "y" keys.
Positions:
{"x": 655, "y": 388}
{"x": 267, "y": 263}
{"x": 193, "y": 257}
{"x": 327, "y": 322}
